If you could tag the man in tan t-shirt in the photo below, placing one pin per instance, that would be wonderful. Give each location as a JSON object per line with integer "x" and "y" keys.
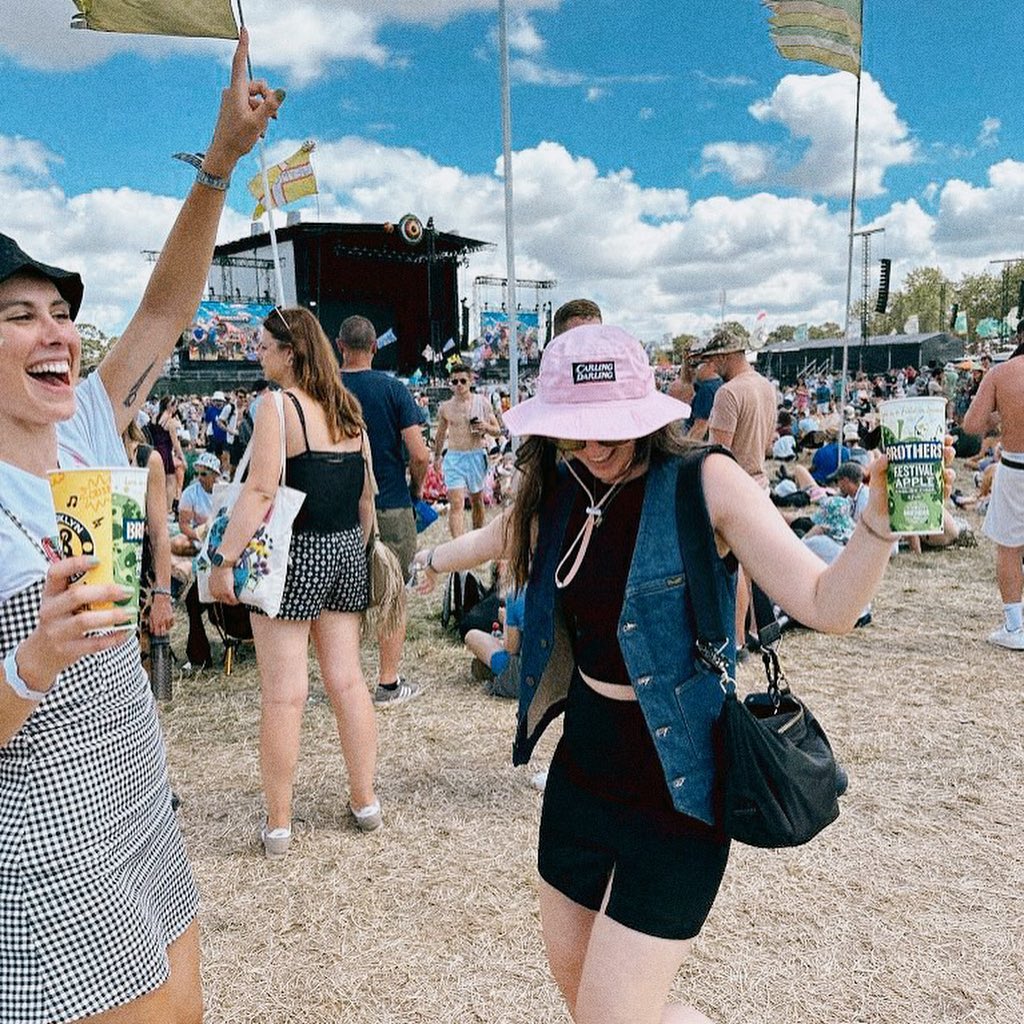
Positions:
{"x": 742, "y": 419}
{"x": 745, "y": 408}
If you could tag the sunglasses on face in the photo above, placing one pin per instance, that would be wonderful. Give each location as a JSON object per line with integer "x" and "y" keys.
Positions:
{"x": 456, "y": 381}
{"x": 564, "y": 444}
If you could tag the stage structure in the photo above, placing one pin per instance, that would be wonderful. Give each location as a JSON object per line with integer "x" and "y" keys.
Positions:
{"x": 490, "y": 300}
{"x": 402, "y": 276}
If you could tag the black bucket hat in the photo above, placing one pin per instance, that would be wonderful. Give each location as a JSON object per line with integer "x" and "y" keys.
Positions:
{"x": 14, "y": 261}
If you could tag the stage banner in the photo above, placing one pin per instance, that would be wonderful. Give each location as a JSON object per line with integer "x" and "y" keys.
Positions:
{"x": 227, "y": 330}
{"x": 493, "y": 341}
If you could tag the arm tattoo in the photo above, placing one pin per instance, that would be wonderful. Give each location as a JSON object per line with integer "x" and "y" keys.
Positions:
{"x": 133, "y": 391}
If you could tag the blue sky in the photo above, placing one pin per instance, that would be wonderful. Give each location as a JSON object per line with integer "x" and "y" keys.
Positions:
{"x": 661, "y": 158}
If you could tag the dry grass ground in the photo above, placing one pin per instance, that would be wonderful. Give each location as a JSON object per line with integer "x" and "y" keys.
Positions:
{"x": 907, "y": 911}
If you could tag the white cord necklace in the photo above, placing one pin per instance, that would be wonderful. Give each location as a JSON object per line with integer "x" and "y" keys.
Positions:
{"x": 581, "y": 541}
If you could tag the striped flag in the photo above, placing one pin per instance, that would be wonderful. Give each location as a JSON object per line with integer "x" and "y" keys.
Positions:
{"x": 825, "y": 31}
{"x": 289, "y": 180}
{"x": 211, "y": 18}
{"x": 387, "y": 338}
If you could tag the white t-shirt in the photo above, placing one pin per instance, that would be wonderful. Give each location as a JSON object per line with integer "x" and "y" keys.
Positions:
{"x": 196, "y": 498}
{"x": 89, "y": 438}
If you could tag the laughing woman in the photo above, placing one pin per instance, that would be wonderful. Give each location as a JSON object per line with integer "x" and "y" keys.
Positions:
{"x": 97, "y": 901}
{"x": 630, "y": 856}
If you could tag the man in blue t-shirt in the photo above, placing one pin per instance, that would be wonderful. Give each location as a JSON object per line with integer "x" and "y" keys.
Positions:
{"x": 393, "y": 422}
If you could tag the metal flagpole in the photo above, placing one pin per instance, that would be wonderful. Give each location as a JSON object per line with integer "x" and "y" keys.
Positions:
{"x": 278, "y": 280}
{"x": 510, "y": 250}
{"x": 849, "y": 258}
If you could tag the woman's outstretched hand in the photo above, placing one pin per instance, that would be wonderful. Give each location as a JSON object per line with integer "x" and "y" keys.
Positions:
{"x": 421, "y": 569}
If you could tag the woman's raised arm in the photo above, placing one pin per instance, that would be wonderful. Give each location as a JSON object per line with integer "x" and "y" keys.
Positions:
{"x": 176, "y": 286}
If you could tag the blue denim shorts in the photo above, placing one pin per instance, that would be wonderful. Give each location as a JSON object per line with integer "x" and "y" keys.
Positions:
{"x": 465, "y": 470}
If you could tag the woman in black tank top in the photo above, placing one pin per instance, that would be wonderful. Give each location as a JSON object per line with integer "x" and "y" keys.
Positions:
{"x": 326, "y": 586}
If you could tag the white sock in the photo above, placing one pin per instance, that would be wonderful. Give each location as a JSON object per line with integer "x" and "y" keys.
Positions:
{"x": 1014, "y": 615}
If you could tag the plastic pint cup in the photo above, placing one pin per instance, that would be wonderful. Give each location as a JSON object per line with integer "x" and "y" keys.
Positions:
{"x": 102, "y": 513}
{"x": 913, "y": 432}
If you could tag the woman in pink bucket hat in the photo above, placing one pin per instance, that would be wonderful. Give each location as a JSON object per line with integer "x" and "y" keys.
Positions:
{"x": 630, "y": 854}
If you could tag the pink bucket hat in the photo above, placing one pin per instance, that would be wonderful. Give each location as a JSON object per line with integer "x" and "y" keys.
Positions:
{"x": 595, "y": 384}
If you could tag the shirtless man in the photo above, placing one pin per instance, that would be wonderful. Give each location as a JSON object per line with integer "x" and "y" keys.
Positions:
{"x": 463, "y": 420}
{"x": 1000, "y": 400}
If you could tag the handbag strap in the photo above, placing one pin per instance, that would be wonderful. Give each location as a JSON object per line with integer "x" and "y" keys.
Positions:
{"x": 696, "y": 537}
{"x": 243, "y": 463}
{"x": 368, "y": 463}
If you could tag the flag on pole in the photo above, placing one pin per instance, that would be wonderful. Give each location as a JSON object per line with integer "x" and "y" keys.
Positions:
{"x": 960, "y": 324}
{"x": 210, "y": 18}
{"x": 387, "y": 338}
{"x": 800, "y": 335}
{"x": 289, "y": 180}
{"x": 449, "y": 345}
{"x": 428, "y": 354}
{"x": 825, "y": 31}
{"x": 912, "y": 325}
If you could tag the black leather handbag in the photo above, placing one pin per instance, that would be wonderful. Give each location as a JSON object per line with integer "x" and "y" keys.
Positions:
{"x": 776, "y": 782}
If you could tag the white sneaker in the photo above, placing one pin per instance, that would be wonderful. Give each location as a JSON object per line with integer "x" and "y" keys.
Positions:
{"x": 1003, "y": 637}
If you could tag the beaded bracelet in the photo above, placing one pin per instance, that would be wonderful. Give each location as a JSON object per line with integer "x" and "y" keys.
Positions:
{"x": 160, "y": 592}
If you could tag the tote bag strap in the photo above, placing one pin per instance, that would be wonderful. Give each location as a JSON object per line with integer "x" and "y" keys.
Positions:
{"x": 243, "y": 463}
{"x": 368, "y": 463}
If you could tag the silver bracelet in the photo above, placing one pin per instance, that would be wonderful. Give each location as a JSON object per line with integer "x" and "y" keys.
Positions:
{"x": 14, "y": 680}
{"x": 204, "y": 177}
{"x": 160, "y": 592}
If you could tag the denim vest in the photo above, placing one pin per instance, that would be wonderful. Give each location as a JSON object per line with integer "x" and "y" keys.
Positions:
{"x": 680, "y": 698}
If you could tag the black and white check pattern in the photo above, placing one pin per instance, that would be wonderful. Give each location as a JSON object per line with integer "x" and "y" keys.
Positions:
{"x": 326, "y": 572}
{"x": 94, "y": 884}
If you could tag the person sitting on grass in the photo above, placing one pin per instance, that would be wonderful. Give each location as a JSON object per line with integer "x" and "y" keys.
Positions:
{"x": 496, "y": 655}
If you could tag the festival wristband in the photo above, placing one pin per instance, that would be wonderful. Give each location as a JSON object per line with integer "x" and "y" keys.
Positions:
{"x": 891, "y": 539}
{"x": 14, "y": 680}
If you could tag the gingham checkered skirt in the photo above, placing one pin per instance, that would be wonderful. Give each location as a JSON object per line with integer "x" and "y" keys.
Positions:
{"x": 94, "y": 884}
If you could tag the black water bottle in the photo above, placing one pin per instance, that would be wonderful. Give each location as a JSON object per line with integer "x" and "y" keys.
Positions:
{"x": 160, "y": 666}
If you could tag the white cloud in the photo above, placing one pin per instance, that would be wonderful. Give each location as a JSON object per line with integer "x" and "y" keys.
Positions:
{"x": 725, "y": 81}
{"x": 595, "y": 93}
{"x": 820, "y": 109}
{"x": 743, "y": 163}
{"x": 301, "y": 38}
{"x": 655, "y": 260}
{"x": 645, "y": 113}
{"x": 989, "y": 134}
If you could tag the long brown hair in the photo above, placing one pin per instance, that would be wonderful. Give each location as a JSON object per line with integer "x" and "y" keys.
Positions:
{"x": 316, "y": 370}
{"x": 537, "y": 463}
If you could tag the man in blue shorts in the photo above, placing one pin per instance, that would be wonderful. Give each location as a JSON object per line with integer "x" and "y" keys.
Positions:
{"x": 463, "y": 420}
{"x": 394, "y": 428}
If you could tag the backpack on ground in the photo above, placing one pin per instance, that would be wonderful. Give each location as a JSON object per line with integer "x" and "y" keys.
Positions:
{"x": 463, "y": 592}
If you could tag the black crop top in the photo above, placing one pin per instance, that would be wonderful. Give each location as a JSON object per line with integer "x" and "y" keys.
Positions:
{"x": 592, "y": 602}
{"x": 332, "y": 482}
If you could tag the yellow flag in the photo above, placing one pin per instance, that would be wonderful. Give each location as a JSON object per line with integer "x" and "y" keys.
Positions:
{"x": 158, "y": 17}
{"x": 289, "y": 180}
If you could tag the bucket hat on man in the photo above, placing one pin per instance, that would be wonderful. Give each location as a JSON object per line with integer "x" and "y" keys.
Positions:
{"x": 14, "y": 261}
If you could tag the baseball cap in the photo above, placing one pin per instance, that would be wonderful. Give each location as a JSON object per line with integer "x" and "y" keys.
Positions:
{"x": 14, "y": 261}
{"x": 595, "y": 382}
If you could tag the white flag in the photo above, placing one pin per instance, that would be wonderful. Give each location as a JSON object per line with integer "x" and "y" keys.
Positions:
{"x": 912, "y": 325}
{"x": 448, "y": 345}
{"x": 387, "y": 338}
{"x": 428, "y": 354}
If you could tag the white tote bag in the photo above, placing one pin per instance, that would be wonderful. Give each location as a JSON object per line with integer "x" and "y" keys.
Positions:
{"x": 260, "y": 573}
